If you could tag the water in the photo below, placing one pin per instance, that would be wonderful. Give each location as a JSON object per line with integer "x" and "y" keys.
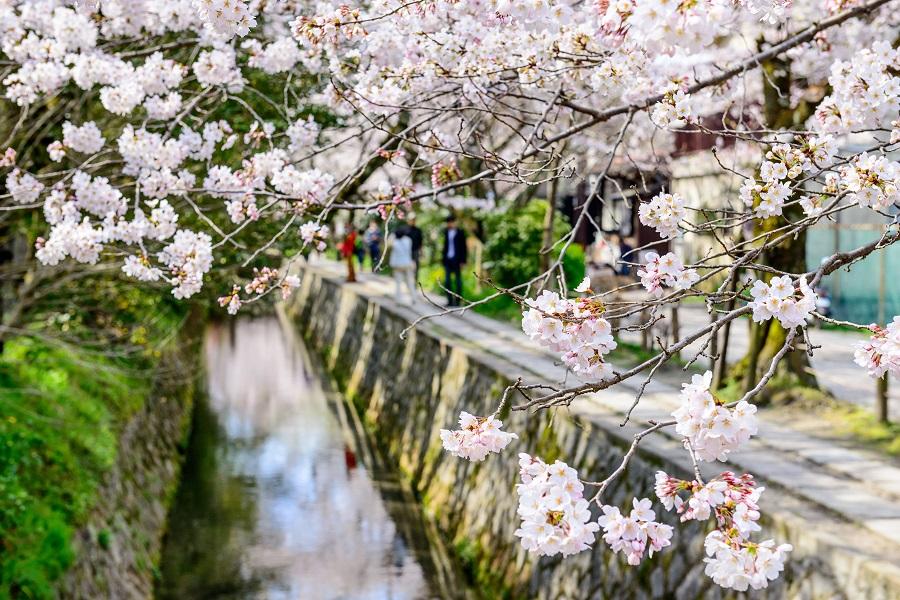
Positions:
{"x": 281, "y": 497}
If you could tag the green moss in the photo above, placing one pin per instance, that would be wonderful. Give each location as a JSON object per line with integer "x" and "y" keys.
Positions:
{"x": 104, "y": 539}
{"x": 861, "y": 425}
{"x": 475, "y": 562}
{"x": 545, "y": 446}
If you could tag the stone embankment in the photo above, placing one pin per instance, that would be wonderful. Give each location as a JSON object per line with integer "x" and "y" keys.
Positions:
{"x": 117, "y": 550}
{"x": 840, "y": 510}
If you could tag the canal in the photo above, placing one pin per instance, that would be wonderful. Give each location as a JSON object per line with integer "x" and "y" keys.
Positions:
{"x": 282, "y": 495}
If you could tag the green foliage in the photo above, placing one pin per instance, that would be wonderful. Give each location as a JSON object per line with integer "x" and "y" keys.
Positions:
{"x": 511, "y": 256}
{"x": 486, "y": 580}
{"x": 861, "y": 425}
{"x": 61, "y": 408}
{"x": 502, "y": 308}
{"x": 514, "y": 241}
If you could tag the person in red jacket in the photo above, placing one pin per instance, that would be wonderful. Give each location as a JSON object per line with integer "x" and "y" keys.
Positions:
{"x": 348, "y": 247}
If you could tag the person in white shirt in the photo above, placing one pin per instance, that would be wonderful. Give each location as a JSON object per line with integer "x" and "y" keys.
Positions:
{"x": 402, "y": 264}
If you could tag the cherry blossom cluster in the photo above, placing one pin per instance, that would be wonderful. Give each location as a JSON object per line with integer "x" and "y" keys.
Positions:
{"x": 674, "y": 110}
{"x": 23, "y": 187}
{"x": 663, "y": 26}
{"x": 740, "y": 566}
{"x": 85, "y": 139}
{"x": 712, "y": 429}
{"x": 264, "y": 281}
{"x": 734, "y": 561}
{"x": 575, "y": 329}
{"x": 314, "y": 235}
{"x": 187, "y": 258}
{"x": 880, "y": 354}
{"x": 341, "y": 22}
{"x": 556, "y": 518}
{"x": 226, "y": 17}
{"x": 635, "y": 533}
{"x": 872, "y": 181}
{"x": 771, "y": 11}
{"x": 664, "y": 212}
{"x": 392, "y": 200}
{"x": 303, "y": 134}
{"x": 666, "y": 270}
{"x": 781, "y": 300}
{"x": 785, "y": 163}
{"x": 476, "y": 437}
{"x": 865, "y": 91}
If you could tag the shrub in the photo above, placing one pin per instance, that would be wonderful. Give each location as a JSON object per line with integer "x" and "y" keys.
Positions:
{"x": 513, "y": 245}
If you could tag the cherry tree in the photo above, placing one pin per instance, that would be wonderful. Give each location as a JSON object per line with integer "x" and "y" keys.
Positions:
{"x": 177, "y": 140}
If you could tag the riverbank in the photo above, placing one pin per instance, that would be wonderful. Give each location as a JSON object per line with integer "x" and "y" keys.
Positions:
{"x": 90, "y": 455}
{"x": 840, "y": 511}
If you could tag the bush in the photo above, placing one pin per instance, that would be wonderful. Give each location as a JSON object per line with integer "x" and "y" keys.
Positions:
{"x": 514, "y": 240}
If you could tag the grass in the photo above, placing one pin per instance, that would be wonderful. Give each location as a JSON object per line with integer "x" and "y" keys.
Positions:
{"x": 58, "y": 434}
{"x": 862, "y": 426}
{"x": 57, "y": 438}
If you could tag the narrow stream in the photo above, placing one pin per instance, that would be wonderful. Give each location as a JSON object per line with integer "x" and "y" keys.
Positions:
{"x": 281, "y": 496}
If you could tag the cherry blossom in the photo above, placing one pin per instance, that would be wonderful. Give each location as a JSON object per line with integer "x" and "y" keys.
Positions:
{"x": 156, "y": 175}
{"x": 880, "y": 354}
{"x": 575, "y": 329}
{"x": 865, "y": 91}
{"x": 663, "y": 213}
{"x": 735, "y": 561}
{"x": 712, "y": 429}
{"x": 555, "y": 515}
{"x": 226, "y": 17}
{"x": 187, "y": 258}
{"x": 771, "y": 11}
{"x": 476, "y": 437}
{"x": 666, "y": 270}
{"x": 23, "y": 187}
{"x": 635, "y": 533}
{"x": 779, "y": 299}
{"x": 743, "y": 566}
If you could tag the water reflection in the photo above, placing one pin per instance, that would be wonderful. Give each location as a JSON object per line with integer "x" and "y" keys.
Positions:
{"x": 274, "y": 502}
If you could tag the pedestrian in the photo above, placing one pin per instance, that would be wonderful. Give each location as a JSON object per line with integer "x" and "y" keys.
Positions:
{"x": 372, "y": 239}
{"x": 402, "y": 265}
{"x": 453, "y": 258}
{"x": 348, "y": 248}
{"x": 415, "y": 234}
{"x": 625, "y": 250}
{"x": 360, "y": 248}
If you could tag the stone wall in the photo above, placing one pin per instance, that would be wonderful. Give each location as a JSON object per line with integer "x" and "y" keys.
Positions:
{"x": 406, "y": 390}
{"x": 117, "y": 550}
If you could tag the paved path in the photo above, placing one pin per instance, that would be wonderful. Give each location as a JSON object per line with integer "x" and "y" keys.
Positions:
{"x": 858, "y": 485}
{"x": 833, "y": 362}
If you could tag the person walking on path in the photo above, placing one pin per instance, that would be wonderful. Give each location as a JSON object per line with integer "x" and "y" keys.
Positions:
{"x": 348, "y": 248}
{"x": 402, "y": 264}
{"x": 360, "y": 248}
{"x": 415, "y": 234}
{"x": 372, "y": 239}
{"x": 453, "y": 258}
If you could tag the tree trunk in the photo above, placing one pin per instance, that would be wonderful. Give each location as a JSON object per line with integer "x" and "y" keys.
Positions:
{"x": 881, "y": 399}
{"x": 767, "y": 338}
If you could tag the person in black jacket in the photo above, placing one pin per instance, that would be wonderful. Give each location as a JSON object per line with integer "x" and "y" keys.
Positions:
{"x": 453, "y": 258}
{"x": 416, "y": 235}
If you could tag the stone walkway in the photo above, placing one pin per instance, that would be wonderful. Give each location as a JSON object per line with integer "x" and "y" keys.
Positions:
{"x": 833, "y": 362}
{"x": 858, "y": 485}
